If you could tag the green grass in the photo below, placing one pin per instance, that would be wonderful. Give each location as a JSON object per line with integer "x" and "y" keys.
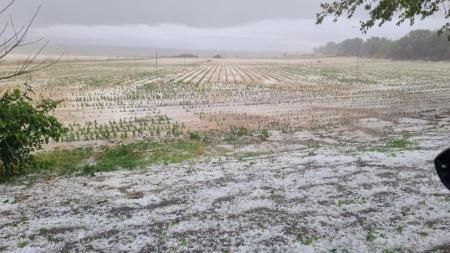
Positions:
{"x": 370, "y": 237}
{"x": 401, "y": 143}
{"x": 306, "y": 240}
{"x": 88, "y": 161}
{"x": 392, "y": 145}
{"x": 62, "y": 162}
{"x": 184, "y": 242}
{"x": 23, "y": 244}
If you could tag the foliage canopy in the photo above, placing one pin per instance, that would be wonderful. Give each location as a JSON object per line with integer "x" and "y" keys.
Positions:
{"x": 382, "y": 11}
{"x": 24, "y": 127}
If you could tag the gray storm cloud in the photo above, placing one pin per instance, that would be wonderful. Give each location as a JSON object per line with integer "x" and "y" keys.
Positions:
{"x": 250, "y": 25}
{"x": 193, "y": 13}
{"x": 268, "y": 35}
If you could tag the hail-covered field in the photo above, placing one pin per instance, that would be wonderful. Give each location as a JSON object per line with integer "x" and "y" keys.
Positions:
{"x": 119, "y": 101}
{"x": 347, "y": 167}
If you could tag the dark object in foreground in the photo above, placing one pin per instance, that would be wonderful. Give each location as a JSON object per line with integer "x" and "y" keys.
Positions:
{"x": 442, "y": 163}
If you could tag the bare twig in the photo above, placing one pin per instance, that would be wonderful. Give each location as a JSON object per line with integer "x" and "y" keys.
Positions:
{"x": 18, "y": 39}
{"x": 7, "y": 6}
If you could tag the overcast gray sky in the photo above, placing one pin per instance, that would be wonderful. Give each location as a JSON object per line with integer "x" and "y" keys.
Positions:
{"x": 256, "y": 25}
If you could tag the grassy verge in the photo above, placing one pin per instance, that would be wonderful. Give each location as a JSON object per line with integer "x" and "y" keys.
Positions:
{"x": 88, "y": 161}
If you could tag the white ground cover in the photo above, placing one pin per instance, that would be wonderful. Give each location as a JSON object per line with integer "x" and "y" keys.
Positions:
{"x": 310, "y": 195}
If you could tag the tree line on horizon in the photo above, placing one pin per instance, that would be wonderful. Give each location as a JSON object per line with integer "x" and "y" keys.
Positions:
{"x": 416, "y": 45}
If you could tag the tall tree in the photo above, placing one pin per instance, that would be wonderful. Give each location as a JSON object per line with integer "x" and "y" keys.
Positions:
{"x": 416, "y": 45}
{"x": 375, "y": 47}
{"x": 351, "y": 47}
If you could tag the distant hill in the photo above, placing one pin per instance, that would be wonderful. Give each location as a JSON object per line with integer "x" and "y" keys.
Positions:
{"x": 138, "y": 52}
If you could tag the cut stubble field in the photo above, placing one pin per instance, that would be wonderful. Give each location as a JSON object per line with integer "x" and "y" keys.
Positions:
{"x": 234, "y": 155}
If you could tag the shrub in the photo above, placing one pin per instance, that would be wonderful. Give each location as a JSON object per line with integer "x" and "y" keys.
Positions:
{"x": 24, "y": 127}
